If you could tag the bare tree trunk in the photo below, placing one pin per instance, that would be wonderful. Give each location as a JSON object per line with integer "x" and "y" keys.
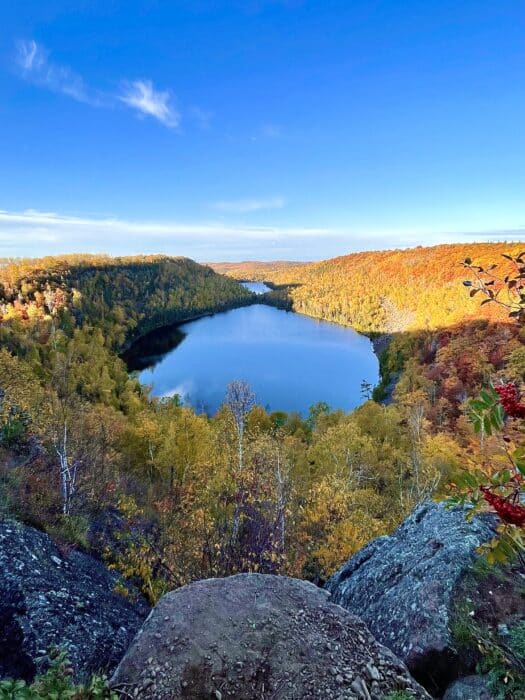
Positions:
{"x": 68, "y": 472}
{"x": 240, "y": 399}
{"x": 281, "y": 504}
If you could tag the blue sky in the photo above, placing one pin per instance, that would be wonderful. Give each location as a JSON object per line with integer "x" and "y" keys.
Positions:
{"x": 260, "y": 129}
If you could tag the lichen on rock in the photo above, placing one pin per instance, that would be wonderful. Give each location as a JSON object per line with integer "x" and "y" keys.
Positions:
{"x": 47, "y": 600}
{"x": 404, "y": 586}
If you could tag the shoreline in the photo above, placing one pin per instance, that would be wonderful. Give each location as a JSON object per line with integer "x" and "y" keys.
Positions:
{"x": 378, "y": 341}
{"x": 179, "y": 322}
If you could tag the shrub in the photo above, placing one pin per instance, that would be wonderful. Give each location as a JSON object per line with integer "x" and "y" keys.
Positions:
{"x": 517, "y": 640}
{"x": 72, "y": 529}
{"x": 398, "y": 695}
{"x": 56, "y": 684}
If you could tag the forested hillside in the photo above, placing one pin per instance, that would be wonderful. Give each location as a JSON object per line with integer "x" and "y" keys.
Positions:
{"x": 441, "y": 342}
{"x": 252, "y": 270}
{"x": 386, "y": 291}
{"x": 168, "y": 496}
{"x": 121, "y": 296}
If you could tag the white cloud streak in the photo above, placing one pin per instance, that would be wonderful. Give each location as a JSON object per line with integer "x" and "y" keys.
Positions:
{"x": 33, "y": 233}
{"x": 34, "y": 65}
{"x": 142, "y": 96}
{"x": 27, "y": 51}
{"x": 65, "y": 227}
{"x": 246, "y": 206}
{"x": 33, "y": 61}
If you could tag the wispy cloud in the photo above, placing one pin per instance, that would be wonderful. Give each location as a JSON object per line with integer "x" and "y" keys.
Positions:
{"x": 33, "y": 233}
{"x": 62, "y": 224}
{"x": 516, "y": 234}
{"x": 142, "y": 96}
{"x": 34, "y": 64}
{"x": 245, "y": 206}
{"x": 27, "y": 53}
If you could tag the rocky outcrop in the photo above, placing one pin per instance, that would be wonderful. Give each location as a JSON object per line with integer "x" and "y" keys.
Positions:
{"x": 47, "y": 599}
{"x": 403, "y": 587}
{"x": 469, "y": 688}
{"x": 257, "y": 636}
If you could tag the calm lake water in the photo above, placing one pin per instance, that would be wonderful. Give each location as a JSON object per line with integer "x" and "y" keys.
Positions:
{"x": 291, "y": 361}
{"x": 257, "y": 287}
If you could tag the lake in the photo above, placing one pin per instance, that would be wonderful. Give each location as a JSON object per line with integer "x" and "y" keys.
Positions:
{"x": 256, "y": 287}
{"x": 291, "y": 361}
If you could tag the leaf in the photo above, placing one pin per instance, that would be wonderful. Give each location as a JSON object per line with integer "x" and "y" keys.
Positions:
{"x": 487, "y": 398}
{"x": 499, "y": 556}
{"x": 497, "y": 417}
{"x": 470, "y": 479}
{"x": 504, "y": 477}
{"x": 518, "y": 457}
{"x": 521, "y": 469}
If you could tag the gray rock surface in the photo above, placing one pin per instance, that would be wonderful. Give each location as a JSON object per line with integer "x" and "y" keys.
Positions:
{"x": 469, "y": 688}
{"x": 403, "y": 587}
{"x": 49, "y": 599}
{"x": 257, "y": 636}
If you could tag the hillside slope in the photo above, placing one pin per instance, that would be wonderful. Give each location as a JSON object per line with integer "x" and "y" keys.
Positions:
{"x": 121, "y": 296}
{"x": 388, "y": 291}
{"x": 252, "y": 270}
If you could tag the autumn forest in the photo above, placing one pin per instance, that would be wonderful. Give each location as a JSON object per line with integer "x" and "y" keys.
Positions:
{"x": 167, "y": 495}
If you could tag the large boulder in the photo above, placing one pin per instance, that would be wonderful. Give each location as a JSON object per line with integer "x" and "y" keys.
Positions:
{"x": 257, "y": 636}
{"x": 403, "y": 586}
{"x": 469, "y": 688}
{"x": 48, "y": 599}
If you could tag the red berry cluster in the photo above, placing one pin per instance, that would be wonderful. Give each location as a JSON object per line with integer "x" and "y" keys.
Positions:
{"x": 509, "y": 398}
{"x": 509, "y": 512}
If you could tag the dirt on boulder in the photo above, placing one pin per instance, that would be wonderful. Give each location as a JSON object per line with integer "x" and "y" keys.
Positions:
{"x": 255, "y": 636}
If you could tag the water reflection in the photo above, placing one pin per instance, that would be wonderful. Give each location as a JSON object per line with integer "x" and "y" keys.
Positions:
{"x": 290, "y": 360}
{"x": 256, "y": 287}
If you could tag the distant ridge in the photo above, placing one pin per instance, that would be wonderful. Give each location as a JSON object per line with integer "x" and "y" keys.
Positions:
{"x": 253, "y": 269}
{"x": 385, "y": 291}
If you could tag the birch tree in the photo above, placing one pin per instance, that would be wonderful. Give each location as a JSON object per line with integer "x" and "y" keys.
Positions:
{"x": 240, "y": 399}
